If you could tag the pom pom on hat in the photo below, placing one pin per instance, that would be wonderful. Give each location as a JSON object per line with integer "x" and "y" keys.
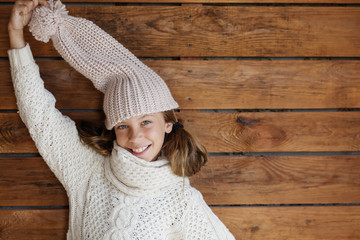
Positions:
{"x": 130, "y": 87}
{"x": 45, "y": 21}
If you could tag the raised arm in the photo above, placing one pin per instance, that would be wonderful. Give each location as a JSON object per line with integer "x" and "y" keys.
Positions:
{"x": 55, "y": 135}
{"x": 20, "y": 17}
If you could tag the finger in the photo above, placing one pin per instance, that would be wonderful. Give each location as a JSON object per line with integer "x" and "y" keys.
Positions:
{"x": 22, "y": 2}
{"x": 43, "y": 3}
{"x": 21, "y": 9}
{"x": 35, "y": 2}
{"x": 24, "y": 6}
{"x": 31, "y": 4}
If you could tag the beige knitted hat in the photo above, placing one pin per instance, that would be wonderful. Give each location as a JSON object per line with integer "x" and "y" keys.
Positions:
{"x": 130, "y": 87}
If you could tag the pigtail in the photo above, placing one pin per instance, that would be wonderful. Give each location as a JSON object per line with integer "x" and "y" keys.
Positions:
{"x": 184, "y": 151}
{"x": 96, "y": 136}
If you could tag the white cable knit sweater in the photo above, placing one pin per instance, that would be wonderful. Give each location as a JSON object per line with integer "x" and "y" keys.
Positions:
{"x": 117, "y": 197}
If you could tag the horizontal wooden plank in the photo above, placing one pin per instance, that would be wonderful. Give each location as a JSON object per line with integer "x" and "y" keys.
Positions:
{"x": 224, "y": 181}
{"x": 284, "y": 223}
{"x": 28, "y": 181}
{"x": 272, "y": 223}
{"x": 33, "y": 224}
{"x": 235, "y": 132}
{"x": 219, "y": 1}
{"x": 217, "y": 84}
{"x": 262, "y": 84}
{"x": 220, "y": 31}
{"x": 276, "y": 131}
{"x": 280, "y": 180}
{"x": 70, "y": 88}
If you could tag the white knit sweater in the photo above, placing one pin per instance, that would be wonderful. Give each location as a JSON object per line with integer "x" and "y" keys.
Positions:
{"x": 117, "y": 197}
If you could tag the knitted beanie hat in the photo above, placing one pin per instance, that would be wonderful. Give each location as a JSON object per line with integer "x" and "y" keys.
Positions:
{"x": 130, "y": 87}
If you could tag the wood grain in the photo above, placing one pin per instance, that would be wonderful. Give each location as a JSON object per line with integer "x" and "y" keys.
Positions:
{"x": 280, "y": 180}
{"x": 284, "y": 223}
{"x": 267, "y": 196}
{"x": 33, "y": 224}
{"x": 28, "y": 181}
{"x": 276, "y": 131}
{"x": 225, "y": 180}
{"x": 221, "y": 1}
{"x": 235, "y": 132}
{"x": 271, "y": 223}
{"x": 217, "y": 84}
{"x": 220, "y": 31}
{"x": 14, "y": 136}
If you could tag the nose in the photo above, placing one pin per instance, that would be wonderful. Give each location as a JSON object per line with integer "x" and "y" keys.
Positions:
{"x": 135, "y": 134}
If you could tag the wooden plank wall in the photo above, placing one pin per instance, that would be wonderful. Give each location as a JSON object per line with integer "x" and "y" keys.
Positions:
{"x": 271, "y": 87}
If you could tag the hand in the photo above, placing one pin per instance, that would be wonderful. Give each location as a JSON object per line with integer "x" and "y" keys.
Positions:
{"x": 20, "y": 17}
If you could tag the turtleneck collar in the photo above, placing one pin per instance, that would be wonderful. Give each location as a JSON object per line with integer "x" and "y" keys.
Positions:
{"x": 137, "y": 177}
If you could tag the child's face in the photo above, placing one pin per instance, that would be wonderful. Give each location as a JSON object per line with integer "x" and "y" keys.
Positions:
{"x": 143, "y": 136}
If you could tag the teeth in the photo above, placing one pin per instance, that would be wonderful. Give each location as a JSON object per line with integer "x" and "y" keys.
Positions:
{"x": 139, "y": 150}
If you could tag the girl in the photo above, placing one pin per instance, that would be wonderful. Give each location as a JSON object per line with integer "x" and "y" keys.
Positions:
{"x": 136, "y": 187}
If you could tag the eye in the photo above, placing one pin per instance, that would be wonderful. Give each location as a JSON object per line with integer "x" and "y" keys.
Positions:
{"x": 146, "y": 122}
{"x": 122, "y": 127}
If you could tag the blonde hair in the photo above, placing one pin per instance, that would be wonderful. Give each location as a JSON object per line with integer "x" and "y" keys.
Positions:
{"x": 184, "y": 152}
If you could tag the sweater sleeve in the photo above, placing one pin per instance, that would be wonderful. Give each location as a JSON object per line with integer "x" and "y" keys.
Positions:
{"x": 54, "y": 134}
{"x": 202, "y": 223}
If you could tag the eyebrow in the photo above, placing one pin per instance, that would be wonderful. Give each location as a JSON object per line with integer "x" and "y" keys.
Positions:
{"x": 144, "y": 116}
{"x": 147, "y": 115}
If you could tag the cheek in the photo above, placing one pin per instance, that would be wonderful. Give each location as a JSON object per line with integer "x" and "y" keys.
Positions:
{"x": 157, "y": 135}
{"x": 120, "y": 139}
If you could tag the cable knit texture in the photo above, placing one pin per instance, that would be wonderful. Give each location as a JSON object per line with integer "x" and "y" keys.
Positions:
{"x": 117, "y": 197}
{"x": 138, "y": 177}
{"x": 130, "y": 87}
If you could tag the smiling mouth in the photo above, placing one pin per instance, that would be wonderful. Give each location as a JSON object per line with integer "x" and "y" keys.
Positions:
{"x": 139, "y": 150}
